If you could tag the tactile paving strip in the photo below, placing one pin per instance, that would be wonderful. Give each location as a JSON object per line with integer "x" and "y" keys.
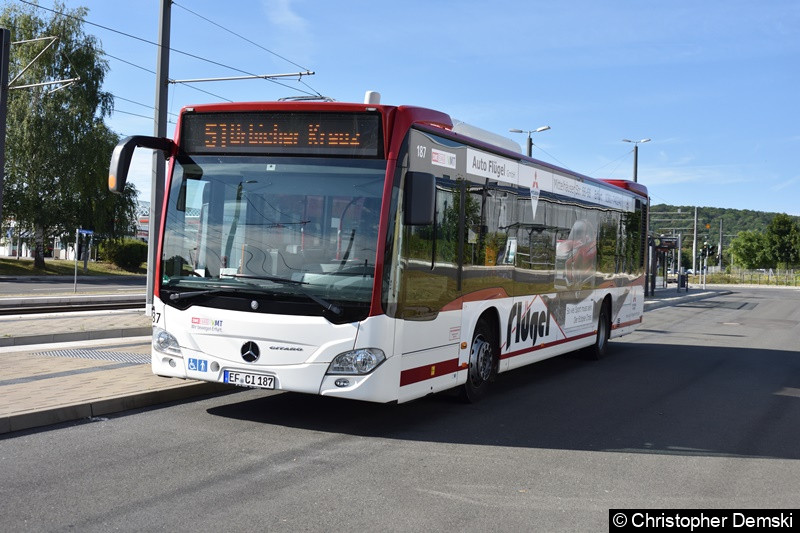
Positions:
{"x": 102, "y": 355}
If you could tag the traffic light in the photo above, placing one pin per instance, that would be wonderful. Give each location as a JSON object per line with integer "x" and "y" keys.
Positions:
{"x": 707, "y": 250}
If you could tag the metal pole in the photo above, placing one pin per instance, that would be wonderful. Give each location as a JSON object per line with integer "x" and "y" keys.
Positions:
{"x": 679, "y": 269}
{"x": 530, "y": 145}
{"x": 75, "y": 283}
{"x": 653, "y": 264}
{"x": 159, "y": 164}
{"x": 705, "y": 265}
{"x": 647, "y": 268}
{"x": 5, "y": 52}
{"x": 635, "y": 162}
{"x": 694, "y": 244}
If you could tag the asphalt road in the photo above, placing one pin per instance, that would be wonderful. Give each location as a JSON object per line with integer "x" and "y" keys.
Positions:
{"x": 699, "y": 409}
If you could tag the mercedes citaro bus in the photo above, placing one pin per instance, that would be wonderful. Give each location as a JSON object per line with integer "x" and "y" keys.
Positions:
{"x": 378, "y": 252}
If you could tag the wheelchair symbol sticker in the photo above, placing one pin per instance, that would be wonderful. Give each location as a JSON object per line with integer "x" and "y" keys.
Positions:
{"x": 198, "y": 365}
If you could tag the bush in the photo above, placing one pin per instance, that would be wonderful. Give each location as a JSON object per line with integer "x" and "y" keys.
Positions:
{"x": 128, "y": 254}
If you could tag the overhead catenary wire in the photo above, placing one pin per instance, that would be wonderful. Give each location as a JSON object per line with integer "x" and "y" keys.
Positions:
{"x": 60, "y": 84}
{"x": 139, "y": 104}
{"x": 207, "y": 92}
{"x": 618, "y": 162}
{"x": 188, "y": 83}
{"x": 153, "y": 72}
{"x": 307, "y": 85}
{"x": 66, "y": 83}
{"x": 551, "y": 156}
{"x": 300, "y": 77}
{"x": 133, "y": 114}
{"x": 238, "y": 35}
{"x": 147, "y": 41}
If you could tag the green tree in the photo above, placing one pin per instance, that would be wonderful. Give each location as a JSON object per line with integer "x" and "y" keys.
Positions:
{"x": 57, "y": 145}
{"x": 92, "y": 205}
{"x": 781, "y": 238}
{"x": 749, "y": 250}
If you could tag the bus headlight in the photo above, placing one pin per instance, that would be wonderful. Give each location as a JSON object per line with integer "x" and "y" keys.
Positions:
{"x": 362, "y": 361}
{"x": 165, "y": 342}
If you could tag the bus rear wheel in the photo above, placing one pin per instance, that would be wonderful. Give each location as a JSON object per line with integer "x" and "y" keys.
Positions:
{"x": 600, "y": 347}
{"x": 482, "y": 363}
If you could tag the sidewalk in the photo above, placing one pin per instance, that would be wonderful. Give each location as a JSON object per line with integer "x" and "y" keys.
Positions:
{"x": 668, "y": 296}
{"x": 43, "y": 383}
{"x": 89, "y": 373}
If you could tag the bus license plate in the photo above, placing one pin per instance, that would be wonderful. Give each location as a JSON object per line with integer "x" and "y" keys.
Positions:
{"x": 245, "y": 379}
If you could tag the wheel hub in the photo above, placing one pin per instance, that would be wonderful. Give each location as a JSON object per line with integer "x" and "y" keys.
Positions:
{"x": 480, "y": 360}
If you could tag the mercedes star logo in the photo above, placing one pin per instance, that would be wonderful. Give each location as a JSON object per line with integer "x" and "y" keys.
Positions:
{"x": 250, "y": 352}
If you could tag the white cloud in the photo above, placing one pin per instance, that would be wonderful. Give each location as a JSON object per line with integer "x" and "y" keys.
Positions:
{"x": 288, "y": 26}
{"x": 280, "y": 12}
{"x": 786, "y": 184}
{"x": 702, "y": 174}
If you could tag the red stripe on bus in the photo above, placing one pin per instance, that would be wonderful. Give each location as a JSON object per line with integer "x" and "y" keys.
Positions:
{"x": 421, "y": 373}
{"x": 425, "y": 372}
{"x": 545, "y": 345}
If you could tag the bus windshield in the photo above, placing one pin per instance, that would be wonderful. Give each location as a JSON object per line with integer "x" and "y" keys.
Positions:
{"x": 281, "y": 228}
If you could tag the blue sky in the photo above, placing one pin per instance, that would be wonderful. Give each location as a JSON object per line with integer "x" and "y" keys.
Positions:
{"x": 715, "y": 84}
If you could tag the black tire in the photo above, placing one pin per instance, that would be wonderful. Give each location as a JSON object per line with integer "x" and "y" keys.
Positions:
{"x": 600, "y": 347}
{"x": 482, "y": 363}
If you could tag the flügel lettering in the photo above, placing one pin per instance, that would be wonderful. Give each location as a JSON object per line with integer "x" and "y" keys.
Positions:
{"x": 534, "y": 324}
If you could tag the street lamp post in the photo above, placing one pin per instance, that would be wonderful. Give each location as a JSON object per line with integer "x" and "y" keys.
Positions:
{"x": 635, "y": 155}
{"x": 530, "y": 141}
{"x": 650, "y": 265}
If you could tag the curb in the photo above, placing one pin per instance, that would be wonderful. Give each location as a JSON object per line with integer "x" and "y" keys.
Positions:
{"x": 24, "y": 340}
{"x": 107, "y": 406}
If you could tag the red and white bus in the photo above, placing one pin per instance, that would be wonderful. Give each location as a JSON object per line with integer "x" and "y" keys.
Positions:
{"x": 378, "y": 253}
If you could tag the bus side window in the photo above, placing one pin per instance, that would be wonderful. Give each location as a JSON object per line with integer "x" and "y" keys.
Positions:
{"x": 429, "y": 255}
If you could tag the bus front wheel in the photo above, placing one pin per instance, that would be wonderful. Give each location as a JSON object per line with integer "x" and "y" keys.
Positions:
{"x": 482, "y": 363}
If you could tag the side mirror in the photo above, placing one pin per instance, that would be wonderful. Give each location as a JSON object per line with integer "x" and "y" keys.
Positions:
{"x": 420, "y": 198}
{"x": 123, "y": 152}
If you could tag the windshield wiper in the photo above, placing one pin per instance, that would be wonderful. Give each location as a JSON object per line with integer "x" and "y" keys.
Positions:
{"x": 175, "y": 296}
{"x": 276, "y": 279}
{"x": 326, "y": 305}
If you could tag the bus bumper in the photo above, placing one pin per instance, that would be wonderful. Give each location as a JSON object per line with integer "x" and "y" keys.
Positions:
{"x": 381, "y": 385}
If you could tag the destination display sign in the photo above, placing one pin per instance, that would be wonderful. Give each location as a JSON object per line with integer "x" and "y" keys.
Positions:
{"x": 665, "y": 243}
{"x": 283, "y": 133}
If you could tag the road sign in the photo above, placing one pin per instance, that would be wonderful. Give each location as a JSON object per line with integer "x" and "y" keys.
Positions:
{"x": 665, "y": 243}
